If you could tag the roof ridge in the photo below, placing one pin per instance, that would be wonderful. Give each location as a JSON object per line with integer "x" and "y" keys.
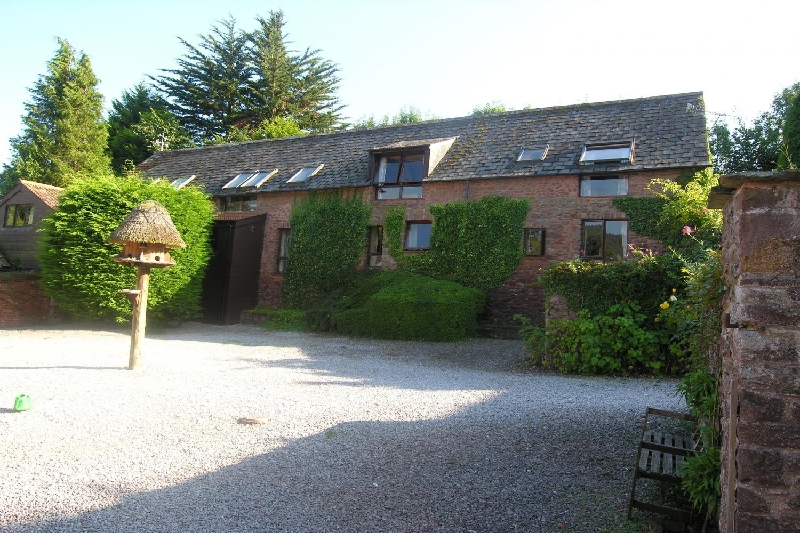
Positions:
{"x": 536, "y": 110}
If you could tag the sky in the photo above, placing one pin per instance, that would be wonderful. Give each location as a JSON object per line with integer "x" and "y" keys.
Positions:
{"x": 443, "y": 57}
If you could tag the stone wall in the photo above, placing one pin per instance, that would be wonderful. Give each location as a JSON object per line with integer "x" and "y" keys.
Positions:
{"x": 22, "y": 300}
{"x": 761, "y": 355}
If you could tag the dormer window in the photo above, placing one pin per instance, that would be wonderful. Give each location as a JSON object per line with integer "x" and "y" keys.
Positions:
{"x": 531, "y": 155}
{"x": 610, "y": 152}
{"x": 238, "y": 180}
{"x": 399, "y": 175}
{"x": 304, "y": 173}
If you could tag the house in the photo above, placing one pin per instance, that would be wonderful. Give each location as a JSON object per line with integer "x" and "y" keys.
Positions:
{"x": 570, "y": 161}
{"x": 22, "y": 209}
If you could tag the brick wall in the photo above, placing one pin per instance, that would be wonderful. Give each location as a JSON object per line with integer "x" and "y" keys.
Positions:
{"x": 22, "y": 300}
{"x": 555, "y": 206}
{"x": 761, "y": 360}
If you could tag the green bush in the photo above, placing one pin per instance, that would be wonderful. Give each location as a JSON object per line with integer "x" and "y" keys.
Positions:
{"x": 617, "y": 342}
{"x": 414, "y": 307}
{"x": 328, "y": 240}
{"x": 645, "y": 280}
{"x": 75, "y": 257}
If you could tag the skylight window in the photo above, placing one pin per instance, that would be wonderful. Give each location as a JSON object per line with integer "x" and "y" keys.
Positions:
{"x": 238, "y": 180}
{"x": 531, "y": 155}
{"x": 258, "y": 178}
{"x": 304, "y": 174}
{"x": 615, "y": 152}
{"x": 180, "y": 183}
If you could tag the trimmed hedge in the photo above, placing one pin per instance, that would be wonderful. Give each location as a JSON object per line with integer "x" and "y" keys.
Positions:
{"x": 414, "y": 307}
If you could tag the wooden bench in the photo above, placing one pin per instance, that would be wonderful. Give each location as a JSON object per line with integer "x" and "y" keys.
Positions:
{"x": 660, "y": 456}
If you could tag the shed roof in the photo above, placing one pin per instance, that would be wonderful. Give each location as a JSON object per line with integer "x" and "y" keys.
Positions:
{"x": 46, "y": 193}
{"x": 669, "y": 132}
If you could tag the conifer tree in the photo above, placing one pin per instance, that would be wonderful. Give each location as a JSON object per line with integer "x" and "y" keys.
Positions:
{"x": 64, "y": 133}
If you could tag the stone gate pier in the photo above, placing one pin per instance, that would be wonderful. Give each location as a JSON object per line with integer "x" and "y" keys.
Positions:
{"x": 760, "y": 389}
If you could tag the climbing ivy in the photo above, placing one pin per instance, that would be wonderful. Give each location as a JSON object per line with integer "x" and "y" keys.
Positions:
{"x": 475, "y": 243}
{"x": 328, "y": 239}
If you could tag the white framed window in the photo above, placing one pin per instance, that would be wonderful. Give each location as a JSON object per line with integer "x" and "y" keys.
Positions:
{"x": 604, "y": 186}
{"x": 531, "y": 155}
{"x": 399, "y": 175}
{"x": 609, "y": 152}
{"x": 304, "y": 173}
{"x": 180, "y": 183}
{"x": 604, "y": 239}
{"x": 418, "y": 236}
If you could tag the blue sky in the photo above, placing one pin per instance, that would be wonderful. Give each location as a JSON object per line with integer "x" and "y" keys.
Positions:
{"x": 442, "y": 56}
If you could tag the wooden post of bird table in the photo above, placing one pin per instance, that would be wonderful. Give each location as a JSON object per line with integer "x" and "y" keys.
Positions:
{"x": 138, "y": 298}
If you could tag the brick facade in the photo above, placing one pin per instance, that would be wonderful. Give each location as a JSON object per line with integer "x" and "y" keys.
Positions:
{"x": 556, "y": 206}
{"x": 22, "y": 300}
{"x": 761, "y": 357}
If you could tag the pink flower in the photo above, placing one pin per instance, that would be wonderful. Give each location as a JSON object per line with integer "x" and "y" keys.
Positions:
{"x": 687, "y": 230}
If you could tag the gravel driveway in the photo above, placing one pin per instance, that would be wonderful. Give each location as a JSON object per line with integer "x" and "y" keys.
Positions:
{"x": 229, "y": 429}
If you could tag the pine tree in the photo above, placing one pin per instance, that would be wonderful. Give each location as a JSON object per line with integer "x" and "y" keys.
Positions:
{"x": 288, "y": 84}
{"x": 64, "y": 132}
{"x": 128, "y": 146}
{"x": 209, "y": 92}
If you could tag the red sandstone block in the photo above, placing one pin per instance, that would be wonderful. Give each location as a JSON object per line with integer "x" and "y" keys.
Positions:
{"x": 751, "y": 500}
{"x": 767, "y": 435}
{"x": 772, "y": 377}
{"x": 761, "y": 407}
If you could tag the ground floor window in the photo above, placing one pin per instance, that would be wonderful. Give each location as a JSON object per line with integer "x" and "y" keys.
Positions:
{"x": 374, "y": 246}
{"x": 534, "y": 241}
{"x": 284, "y": 237}
{"x": 604, "y": 239}
{"x": 240, "y": 203}
{"x": 19, "y": 215}
{"x": 418, "y": 236}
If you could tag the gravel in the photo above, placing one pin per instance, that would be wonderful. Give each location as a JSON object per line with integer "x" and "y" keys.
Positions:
{"x": 232, "y": 428}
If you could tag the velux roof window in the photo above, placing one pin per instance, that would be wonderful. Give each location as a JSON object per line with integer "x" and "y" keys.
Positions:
{"x": 531, "y": 155}
{"x": 249, "y": 179}
{"x": 304, "y": 173}
{"x": 180, "y": 183}
{"x": 609, "y": 152}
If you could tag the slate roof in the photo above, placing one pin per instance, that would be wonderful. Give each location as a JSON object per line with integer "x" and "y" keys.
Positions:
{"x": 669, "y": 132}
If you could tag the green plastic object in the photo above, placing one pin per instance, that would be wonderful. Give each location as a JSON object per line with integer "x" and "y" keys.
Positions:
{"x": 23, "y": 402}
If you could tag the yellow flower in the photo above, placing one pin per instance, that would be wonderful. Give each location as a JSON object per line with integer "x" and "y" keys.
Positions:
{"x": 665, "y": 305}
{"x": 674, "y": 291}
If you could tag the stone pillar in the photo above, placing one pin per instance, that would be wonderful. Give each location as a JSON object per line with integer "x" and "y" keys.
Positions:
{"x": 760, "y": 388}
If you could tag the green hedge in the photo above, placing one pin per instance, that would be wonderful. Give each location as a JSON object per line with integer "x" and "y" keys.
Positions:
{"x": 414, "y": 307}
{"x": 75, "y": 256}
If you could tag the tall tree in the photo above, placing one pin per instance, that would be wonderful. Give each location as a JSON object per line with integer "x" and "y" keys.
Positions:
{"x": 64, "y": 132}
{"x": 127, "y": 146}
{"x": 289, "y": 84}
{"x": 210, "y": 90}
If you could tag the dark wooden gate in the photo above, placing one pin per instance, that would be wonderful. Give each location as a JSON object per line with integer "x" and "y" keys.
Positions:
{"x": 231, "y": 282}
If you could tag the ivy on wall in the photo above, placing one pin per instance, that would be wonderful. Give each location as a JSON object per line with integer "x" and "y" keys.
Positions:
{"x": 475, "y": 243}
{"x": 327, "y": 242}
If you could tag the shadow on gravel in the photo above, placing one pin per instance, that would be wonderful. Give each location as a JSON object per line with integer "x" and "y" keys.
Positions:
{"x": 545, "y": 474}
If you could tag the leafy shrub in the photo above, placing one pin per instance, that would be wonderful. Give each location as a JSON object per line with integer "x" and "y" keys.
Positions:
{"x": 617, "y": 342}
{"x": 328, "y": 239}
{"x": 283, "y": 319}
{"x": 414, "y": 307}
{"x": 75, "y": 257}
{"x": 700, "y": 478}
{"x": 644, "y": 281}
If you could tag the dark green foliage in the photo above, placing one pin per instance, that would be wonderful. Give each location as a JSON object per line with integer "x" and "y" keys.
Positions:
{"x": 353, "y": 293}
{"x": 235, "y": 81}
{"x": 477, "y": 244}
{"x": 619, "y": 341}
{"x": 283, "y": 319}
{"x": 791, "y": 133}
{"x": 489, "y": 108}
{"x": 64, "y": 131}
{"x": 124, "y": 143}
{"x": 328, "y": 239}
{"x": 644, "y": 214}
{"x": 594, "y": 287}
{"x": 414, "y": 307}
{"x": 75, "y": 259}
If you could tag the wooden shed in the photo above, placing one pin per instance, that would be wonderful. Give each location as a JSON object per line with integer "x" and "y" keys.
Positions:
{"x": 22, "y": 209}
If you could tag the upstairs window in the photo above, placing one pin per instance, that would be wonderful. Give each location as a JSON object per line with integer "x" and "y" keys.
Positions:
{"x": 418, "y": 236}
{"x": 400, "y": 175}
{"x": 304, "y": 173}
{"x": 18, "y": 215}
{"x": 531, "y": 155}
{"x": 249, "y": 179}
{"x": 604, "y": 239}
{"x": 612, "y": 152}
{"x": 604, "y": 186}
{"x": 374, "y": 246}
{"x": 238, "y": 180}
{"x": 240, "y": 203}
